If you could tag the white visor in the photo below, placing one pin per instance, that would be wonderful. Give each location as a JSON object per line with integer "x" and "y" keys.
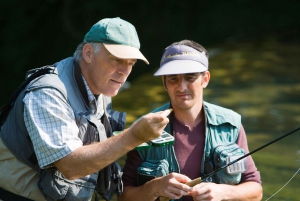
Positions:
{"x": 180, "y": 67}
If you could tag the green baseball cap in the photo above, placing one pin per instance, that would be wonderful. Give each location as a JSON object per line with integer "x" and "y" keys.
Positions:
{"x": 118, "y": 36}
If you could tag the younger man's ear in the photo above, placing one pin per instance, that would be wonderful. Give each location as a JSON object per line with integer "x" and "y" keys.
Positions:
{"x": 205, "y": 79}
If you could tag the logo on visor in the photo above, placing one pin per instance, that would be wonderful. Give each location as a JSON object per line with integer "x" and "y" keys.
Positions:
{"x": 186, "y": 53}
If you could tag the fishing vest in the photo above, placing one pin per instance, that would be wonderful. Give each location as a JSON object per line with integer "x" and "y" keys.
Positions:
{"x": 222, "y": 127}
{"x": 66, "y": 77}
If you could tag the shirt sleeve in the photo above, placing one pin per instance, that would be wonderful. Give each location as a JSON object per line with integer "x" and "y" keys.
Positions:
{"x": 251, "y": 174}
{"x": 50, "y": 122}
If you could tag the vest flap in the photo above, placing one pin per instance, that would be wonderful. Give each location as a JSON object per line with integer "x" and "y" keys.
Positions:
{"x": 217, "y": 115}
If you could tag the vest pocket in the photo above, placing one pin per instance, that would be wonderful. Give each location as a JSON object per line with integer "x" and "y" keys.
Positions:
{"x": 222, "y": 156}
{"x": 150, "y": 169}
{"x": 55, "y": 186}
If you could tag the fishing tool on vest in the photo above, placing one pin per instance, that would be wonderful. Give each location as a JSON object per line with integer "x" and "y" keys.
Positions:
{"x": 199, "y": 180}
{"x": 163, "y": 140}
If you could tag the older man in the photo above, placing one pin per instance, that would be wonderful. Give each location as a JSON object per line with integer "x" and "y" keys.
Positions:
{"x": 61, "y": 124}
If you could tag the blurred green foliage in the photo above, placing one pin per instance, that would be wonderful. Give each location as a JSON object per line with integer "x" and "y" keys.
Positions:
{"x": 36, "y": 33}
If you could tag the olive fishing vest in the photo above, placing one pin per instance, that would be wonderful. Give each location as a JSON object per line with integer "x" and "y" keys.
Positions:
{"x": 65, "y": 77}
{"x": 222, "y": 127}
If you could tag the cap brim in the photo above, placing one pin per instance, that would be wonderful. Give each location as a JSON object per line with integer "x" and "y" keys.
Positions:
{"x": 180, "y": 67}
{"x": 125, "y": 52}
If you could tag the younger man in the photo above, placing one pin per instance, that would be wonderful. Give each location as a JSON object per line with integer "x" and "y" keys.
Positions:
{"x": 198, "y": 127}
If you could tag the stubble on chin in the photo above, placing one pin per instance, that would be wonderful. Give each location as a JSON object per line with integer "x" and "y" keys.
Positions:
{"x": 182, "y": 105}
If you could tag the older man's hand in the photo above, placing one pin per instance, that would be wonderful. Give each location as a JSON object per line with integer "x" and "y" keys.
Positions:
{"x": 151, "y": 125}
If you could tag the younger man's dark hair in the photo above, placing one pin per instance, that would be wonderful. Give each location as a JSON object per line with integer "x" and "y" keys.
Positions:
{"x": 191, "y": 44}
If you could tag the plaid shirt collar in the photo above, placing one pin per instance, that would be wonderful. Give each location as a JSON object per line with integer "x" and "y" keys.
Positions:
{"x": 96, "y": 105}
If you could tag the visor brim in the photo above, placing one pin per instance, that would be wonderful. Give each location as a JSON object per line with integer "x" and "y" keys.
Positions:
{"x": 180, "y": 67}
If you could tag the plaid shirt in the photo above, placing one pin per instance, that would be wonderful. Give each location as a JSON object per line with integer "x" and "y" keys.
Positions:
{"x": 50, "y": 122}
